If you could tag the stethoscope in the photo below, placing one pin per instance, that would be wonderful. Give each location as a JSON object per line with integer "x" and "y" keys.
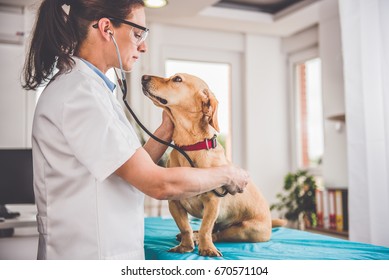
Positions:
{"x": 123, "y": 86}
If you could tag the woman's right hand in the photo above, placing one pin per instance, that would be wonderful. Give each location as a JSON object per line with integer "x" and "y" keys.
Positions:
{"x": 177, "y": 183}
{"x": 238, "y": 180}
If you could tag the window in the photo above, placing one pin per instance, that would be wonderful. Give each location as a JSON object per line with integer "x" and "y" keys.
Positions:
{"x": 309, "y": 114}
{"x": 217, "y": 76}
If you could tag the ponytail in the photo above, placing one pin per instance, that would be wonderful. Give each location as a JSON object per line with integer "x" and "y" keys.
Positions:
{"x": 52, "y": 44}
{"x": 58, "y": 35}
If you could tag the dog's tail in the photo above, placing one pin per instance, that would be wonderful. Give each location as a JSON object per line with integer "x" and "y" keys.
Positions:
{"x": 278, "y": 223}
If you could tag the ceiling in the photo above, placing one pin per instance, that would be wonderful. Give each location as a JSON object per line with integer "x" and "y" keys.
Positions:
{"x": 265, "y": 6}
{"x": 267, "y": 17}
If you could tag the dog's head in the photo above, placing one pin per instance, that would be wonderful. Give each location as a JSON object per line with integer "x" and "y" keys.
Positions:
{"x": 183, "y": 96}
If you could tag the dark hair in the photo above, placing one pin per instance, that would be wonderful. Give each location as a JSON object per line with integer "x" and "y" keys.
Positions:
{"x": 57, "y": 35}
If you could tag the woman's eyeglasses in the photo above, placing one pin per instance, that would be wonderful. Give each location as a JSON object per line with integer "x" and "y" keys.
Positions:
{"x": 140, "y": 33}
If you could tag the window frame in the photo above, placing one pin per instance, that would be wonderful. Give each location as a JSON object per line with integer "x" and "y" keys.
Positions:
{"x": 293, "y": 60}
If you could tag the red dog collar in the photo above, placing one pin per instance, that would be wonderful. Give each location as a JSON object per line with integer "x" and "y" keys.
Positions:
{"x": 207, "y": 144}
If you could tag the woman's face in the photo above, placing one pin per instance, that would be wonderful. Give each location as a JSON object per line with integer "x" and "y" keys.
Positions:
{"x": 127, "y": 38}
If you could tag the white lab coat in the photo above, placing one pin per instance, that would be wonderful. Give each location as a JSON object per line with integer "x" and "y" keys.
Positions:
{"x": 80, "y": 137}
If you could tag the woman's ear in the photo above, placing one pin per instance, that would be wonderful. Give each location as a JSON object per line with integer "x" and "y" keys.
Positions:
{"x": 105, "y": 28}
{"x": 209, "y": 107}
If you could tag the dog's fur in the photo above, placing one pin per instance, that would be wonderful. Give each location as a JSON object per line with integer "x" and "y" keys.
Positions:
{"x": 242, "y": 217}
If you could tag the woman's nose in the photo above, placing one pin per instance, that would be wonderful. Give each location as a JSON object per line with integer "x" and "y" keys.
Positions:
{"x": 142, "y": 47}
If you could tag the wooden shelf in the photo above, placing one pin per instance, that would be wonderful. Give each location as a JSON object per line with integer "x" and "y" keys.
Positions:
{"x": 337, "y": 118}
{"x": 341, "y": 234}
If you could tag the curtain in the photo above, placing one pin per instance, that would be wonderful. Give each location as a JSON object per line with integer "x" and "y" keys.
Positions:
{"x": 365, "y": 44}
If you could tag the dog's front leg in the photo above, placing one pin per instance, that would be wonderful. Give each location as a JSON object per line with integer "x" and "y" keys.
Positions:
{"x": 211, "y": 212}
{"x": 181, "y": 218}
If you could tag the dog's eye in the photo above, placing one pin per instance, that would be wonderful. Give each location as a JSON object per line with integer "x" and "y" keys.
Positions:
{"x": 177, "y": 79}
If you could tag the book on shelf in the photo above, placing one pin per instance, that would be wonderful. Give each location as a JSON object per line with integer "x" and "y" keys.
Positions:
{"x": 345, "y": 209}
{"x": 319, "y": 208}
{"x": 341, "y": 209}
{"x": 326, "y": 211}
{"x": 338, "y": 210}
{"x": 332, "y": 209}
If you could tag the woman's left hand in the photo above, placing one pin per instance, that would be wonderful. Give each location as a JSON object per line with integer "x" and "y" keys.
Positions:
{"x": 164, "y": 132}
{"x": 167, "y": 126}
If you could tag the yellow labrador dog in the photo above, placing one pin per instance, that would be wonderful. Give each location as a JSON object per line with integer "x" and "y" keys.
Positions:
{"x": 243, "y": 217}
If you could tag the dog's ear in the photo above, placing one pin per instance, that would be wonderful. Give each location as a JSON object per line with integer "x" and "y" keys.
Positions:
{"x": 209, "y": 107}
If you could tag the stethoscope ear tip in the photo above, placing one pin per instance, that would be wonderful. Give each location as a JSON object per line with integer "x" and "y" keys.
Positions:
{"x": 122, "y": 82}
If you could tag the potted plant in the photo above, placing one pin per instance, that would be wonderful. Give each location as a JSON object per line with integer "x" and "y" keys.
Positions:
{"x": 297, "y": 201}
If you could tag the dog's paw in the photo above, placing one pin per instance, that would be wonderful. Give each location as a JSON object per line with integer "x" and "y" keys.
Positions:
{"x": 210, "y": 251}
{"x": 195, "y": 237}
{"x": 181, "y": 249}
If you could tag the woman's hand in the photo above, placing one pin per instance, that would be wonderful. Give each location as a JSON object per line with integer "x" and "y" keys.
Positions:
{"x": 239, "y": 180}
{"x": 164, "y": 132}
{"x": 177, "y": 183}
{"x": 167, "y": 126}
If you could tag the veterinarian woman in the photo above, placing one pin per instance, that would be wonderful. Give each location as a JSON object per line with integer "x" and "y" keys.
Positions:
{"x": 90, "y": 171}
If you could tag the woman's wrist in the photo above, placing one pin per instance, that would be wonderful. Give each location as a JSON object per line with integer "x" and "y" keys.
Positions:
{"x": 165, "y": 133}
{"x": 166, "y": 128}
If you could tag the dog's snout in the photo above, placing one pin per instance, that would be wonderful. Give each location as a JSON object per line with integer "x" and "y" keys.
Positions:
{"x": 146, "y": 79}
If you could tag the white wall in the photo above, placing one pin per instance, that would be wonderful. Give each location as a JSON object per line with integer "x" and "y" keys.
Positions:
{"x": 266, "y": 113}
{"x": 16, "y": 105}
{"x": 324, "y": 40}
{"x": 335, "y": 143}
{"x": 12, "y": 98}
{"x": 365, "y": 37}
